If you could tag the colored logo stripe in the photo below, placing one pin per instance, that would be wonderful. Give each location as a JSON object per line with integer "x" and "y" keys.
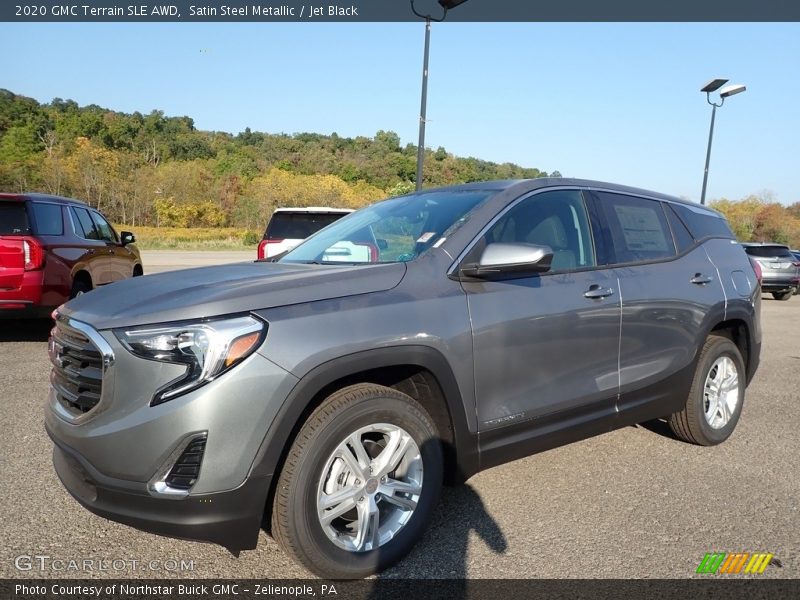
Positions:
{"x": 723, "y": 562}
{"x": 758, "y": 563}
{"x": 711, "y": 562}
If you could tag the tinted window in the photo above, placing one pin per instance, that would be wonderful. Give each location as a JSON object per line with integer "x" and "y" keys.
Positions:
{"x": 554, "y": 219}
{"x": 298, "y": 226}
{"x": 683, "y": 239}
{"x": 84, "y": 224}
{"x": 13, "y": 218}
{"x": 107, "y": 232}
{"x": 703, "y": 223}
{"x": 639, "y": 229}
{"x": 395, "y": 230}
{"x": 769, "y": 251}
{"x": 48, "y": 218}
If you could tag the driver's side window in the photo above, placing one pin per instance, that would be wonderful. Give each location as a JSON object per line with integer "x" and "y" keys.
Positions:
{"x": 556, "y": 219}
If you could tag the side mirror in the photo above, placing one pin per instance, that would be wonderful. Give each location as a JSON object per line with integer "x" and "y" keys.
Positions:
{"x": 127, "y": 237}
{"x": 507, "y": 260}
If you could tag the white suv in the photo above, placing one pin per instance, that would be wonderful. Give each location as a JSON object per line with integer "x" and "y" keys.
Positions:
{"x": 290, "y": 226}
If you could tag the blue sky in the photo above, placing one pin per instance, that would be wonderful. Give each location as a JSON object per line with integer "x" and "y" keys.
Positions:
{"x": 617, "y": 102}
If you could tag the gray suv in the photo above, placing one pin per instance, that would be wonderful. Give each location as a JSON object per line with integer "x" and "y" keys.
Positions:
{"x": 330, "y": 400}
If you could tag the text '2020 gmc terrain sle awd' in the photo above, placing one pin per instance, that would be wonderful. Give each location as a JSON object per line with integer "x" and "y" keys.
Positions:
{"x": 496, "y": 320}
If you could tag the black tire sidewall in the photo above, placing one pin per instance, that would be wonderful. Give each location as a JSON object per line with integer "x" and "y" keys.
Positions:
{"x": 721, "y": 347}
{"x": 328, "y": 556}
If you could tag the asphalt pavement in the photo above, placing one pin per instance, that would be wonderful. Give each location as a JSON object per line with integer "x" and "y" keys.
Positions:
{"x": 632, "y": 503}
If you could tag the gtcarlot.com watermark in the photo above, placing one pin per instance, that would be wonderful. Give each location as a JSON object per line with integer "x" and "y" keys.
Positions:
{"x": 52, "y": 564}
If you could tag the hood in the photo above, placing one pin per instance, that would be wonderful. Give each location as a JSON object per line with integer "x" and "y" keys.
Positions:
{"x": 225, "y": 289}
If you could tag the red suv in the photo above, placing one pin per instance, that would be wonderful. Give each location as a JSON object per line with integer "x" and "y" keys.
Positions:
{"x": 53, "y": 249}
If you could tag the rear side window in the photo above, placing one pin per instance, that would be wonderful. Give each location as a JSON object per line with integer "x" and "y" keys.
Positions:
{"x": 639, "y": 228}
{"x": 298, "y": 226}
{"x": 13, "y": 219}
{"x": 83, "y": 222}
{"x": 702, "y": 223}
{"x": 683, "y": 239}
{"x": 48, "y": 217}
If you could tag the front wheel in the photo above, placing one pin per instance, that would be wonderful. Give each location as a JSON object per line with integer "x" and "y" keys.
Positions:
{"x": 716, "y": 396}
{"x": 359, "y": 483}
{"x": 783, "y": 295}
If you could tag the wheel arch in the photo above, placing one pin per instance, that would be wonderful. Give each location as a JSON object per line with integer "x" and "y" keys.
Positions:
{"x": 83, "y": 275}
{"x": 419, "y": 371}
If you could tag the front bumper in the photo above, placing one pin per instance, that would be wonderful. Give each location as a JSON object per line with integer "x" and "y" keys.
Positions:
{"x": 113, "y": 458}
{"x": 231, "y": 519}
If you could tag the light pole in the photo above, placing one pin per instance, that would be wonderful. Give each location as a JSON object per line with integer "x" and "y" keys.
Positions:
{"x": 713, "y": 86}
{"x": 446, "y": 5}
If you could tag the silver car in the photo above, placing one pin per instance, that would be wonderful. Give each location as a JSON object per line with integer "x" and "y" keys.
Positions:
{"x": 780, "y": 269}
{"x": 493, "y": 320}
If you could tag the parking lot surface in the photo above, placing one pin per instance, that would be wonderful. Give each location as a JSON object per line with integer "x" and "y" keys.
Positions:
{"x": 632, "y": 503}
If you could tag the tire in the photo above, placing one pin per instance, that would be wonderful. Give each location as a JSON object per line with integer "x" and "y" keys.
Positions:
{"x": 138, "y": 271}
{"x": 783, "y": 295}
{"x": 79, "y": 287}
{"x": 315, "y": 469}
{"x": 697, "y": 423}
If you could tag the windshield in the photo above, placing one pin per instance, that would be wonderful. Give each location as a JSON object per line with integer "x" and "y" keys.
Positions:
{"x": 396, "y": 230}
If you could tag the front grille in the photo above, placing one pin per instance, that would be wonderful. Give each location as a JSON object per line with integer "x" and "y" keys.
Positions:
{"x": 186, "y": 469}
{"x": 77, "y": 375}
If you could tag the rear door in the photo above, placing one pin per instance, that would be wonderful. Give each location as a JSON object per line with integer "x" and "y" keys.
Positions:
{"x": 669, "y": 290}
{"x": 545, "y": 345}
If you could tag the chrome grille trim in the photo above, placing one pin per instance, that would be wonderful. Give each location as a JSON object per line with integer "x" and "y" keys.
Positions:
{"x": 82, "y": 363}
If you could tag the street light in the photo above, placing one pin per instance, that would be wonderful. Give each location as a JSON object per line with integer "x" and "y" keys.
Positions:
{"x": 726, "y": 92}
{"x": 446, "y": 5}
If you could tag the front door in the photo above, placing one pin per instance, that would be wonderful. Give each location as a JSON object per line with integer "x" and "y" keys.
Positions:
{"x": 547, "y": 343}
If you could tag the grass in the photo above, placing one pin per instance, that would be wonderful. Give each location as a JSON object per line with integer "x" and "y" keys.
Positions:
{"x": 185, "y": 238}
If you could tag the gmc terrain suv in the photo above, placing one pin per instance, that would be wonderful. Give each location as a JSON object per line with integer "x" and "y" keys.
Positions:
{"x": 53, "y": 249}
{"x": 331, "y": 399}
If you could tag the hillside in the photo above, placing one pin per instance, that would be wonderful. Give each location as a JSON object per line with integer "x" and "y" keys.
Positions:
{"x": 150, "y": 169}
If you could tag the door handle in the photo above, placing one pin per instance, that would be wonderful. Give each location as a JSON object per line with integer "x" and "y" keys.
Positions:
{"x": 597, "y": 292}
{"x": 700, "y": 279}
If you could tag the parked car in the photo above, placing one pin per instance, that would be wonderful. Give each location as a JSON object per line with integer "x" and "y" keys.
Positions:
{"x": 332, "y": 399}
{"x": 779, "y": 267}
{"x": 290, "y": 226}
{"x": 53, "y": 249}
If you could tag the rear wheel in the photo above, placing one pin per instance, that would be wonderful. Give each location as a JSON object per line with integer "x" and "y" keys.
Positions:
{"x": 783, "y": 295}
{"x": 359, "y": 483}
{"x": 715, "y": 400}
{"x": 138, "y": 271}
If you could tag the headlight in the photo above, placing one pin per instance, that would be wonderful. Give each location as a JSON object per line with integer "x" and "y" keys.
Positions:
{"x": 207, "y": 348}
